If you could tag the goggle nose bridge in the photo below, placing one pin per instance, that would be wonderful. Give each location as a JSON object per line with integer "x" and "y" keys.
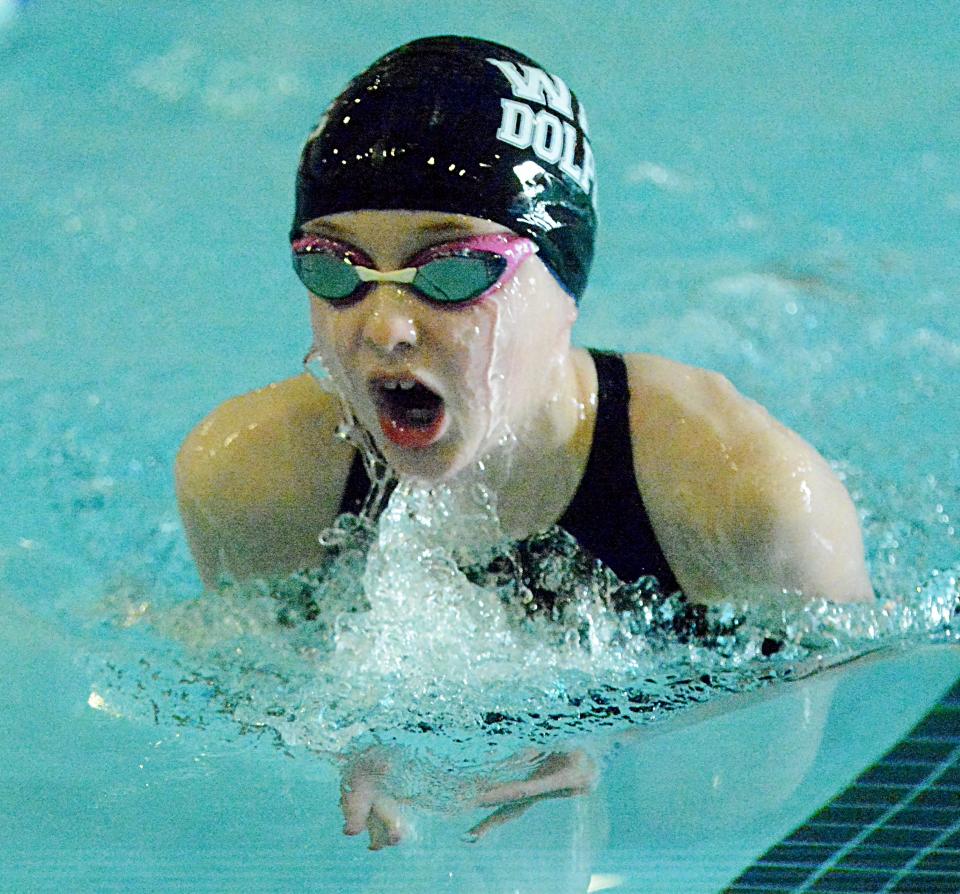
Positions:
{"x": 366, "y": 274}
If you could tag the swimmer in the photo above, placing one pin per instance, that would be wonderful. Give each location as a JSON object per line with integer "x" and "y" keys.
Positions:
{"x": 444, "y": 230}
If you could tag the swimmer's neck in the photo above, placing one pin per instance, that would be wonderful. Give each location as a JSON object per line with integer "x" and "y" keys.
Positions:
{"x": 536, "y": 479}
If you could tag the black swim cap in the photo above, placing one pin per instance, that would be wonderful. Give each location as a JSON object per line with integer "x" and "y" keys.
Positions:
{"x": 466, "y": 126}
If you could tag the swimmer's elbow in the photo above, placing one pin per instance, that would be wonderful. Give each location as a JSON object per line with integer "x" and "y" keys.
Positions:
{"x": 819, "y": 549}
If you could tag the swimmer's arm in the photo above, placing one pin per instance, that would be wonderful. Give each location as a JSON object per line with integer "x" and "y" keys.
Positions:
{"x": 258, "y": 479}
{"x": 792, "y": 531}
{"x": 816, "y": 543}
{"x": 743, "y": 507}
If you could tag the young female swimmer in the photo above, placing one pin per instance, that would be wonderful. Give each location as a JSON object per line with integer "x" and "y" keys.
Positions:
{"x": 444, "y": 228}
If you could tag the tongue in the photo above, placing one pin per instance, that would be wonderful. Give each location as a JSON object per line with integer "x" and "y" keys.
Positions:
{"x": 411, "y": 419}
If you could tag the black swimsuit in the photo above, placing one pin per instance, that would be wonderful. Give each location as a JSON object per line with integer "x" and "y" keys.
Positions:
{"x": 606, "y": 516}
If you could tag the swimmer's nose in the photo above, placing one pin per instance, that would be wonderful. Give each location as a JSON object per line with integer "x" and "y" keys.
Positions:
{"x": 389, "y": 326}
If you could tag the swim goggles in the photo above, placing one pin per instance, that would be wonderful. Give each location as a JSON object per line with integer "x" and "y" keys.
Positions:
{"x": 454, "y": 273}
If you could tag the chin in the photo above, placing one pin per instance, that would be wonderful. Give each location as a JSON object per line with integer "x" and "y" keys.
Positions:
{"x": 427, "y": 466}
{"x": 430, "y": 465}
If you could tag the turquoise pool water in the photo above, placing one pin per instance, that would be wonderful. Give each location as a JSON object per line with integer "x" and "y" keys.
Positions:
{"x": 780, "y": 200}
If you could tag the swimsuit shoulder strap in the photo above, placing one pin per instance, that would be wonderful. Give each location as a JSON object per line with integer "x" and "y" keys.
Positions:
{"x": 607, "y": 515}
{"x": 357, "y": 488}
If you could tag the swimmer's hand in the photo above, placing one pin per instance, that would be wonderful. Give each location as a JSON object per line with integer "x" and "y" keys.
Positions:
{"x": 560, "y": 775}
{"x": 366, "y": 805}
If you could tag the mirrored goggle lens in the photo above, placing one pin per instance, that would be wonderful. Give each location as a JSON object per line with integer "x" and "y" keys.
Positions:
{"x": 326, "y": 275}
{"x": 446, "y": 280}
{"x": 459, "y": 278}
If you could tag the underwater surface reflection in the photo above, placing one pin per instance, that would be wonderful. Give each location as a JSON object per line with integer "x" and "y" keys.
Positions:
{"x": 791, "y": 219}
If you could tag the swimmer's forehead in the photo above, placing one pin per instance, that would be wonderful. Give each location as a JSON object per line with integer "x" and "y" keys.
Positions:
{"x": 415, "y": 225}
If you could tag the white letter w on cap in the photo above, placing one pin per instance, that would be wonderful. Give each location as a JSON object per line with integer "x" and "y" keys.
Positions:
{"x": 535, "y": 85}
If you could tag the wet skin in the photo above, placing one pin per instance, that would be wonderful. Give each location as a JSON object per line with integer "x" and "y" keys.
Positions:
{"x": 368, "y": 806}
{"x": 742, "y": 506}
{"x": 394, "y": 335}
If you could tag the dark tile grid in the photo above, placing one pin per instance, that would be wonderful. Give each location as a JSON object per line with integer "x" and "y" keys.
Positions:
{"x": 895, "y": 830}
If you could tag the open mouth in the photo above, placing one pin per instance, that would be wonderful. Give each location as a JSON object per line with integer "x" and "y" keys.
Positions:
{"x": 411, "y": 415}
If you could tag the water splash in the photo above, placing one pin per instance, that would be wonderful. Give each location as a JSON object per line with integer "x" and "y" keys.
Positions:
{"x": 433, "y": 632}
{"x": 428, "y": 636}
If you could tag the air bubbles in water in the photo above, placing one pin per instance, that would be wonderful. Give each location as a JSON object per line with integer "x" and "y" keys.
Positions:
{"x": 433, "y": 630}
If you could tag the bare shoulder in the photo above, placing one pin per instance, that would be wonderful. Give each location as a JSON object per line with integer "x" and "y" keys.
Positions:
{"x": 659, "y": 381}
{"x": 255, "y": 439}
{"x": 259, "y": 477}
{"x": 742, "y": 504}
{"x": 690, "y": 408}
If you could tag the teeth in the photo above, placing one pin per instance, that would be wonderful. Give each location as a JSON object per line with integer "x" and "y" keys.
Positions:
{"x": 403, "y": 385}
{"x": 406, "y": 385}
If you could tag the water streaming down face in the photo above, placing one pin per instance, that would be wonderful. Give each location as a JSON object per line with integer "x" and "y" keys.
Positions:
{"x": 82, "y": 462}
{"x": 432, "y": 632}
{"x": 493, "y": 366}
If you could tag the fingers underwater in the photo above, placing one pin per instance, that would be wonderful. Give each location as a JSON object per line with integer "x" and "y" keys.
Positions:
{"x": 497, "y": 818}
{"x": 386, "y": 824}
{"x": 561, "y": 775}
